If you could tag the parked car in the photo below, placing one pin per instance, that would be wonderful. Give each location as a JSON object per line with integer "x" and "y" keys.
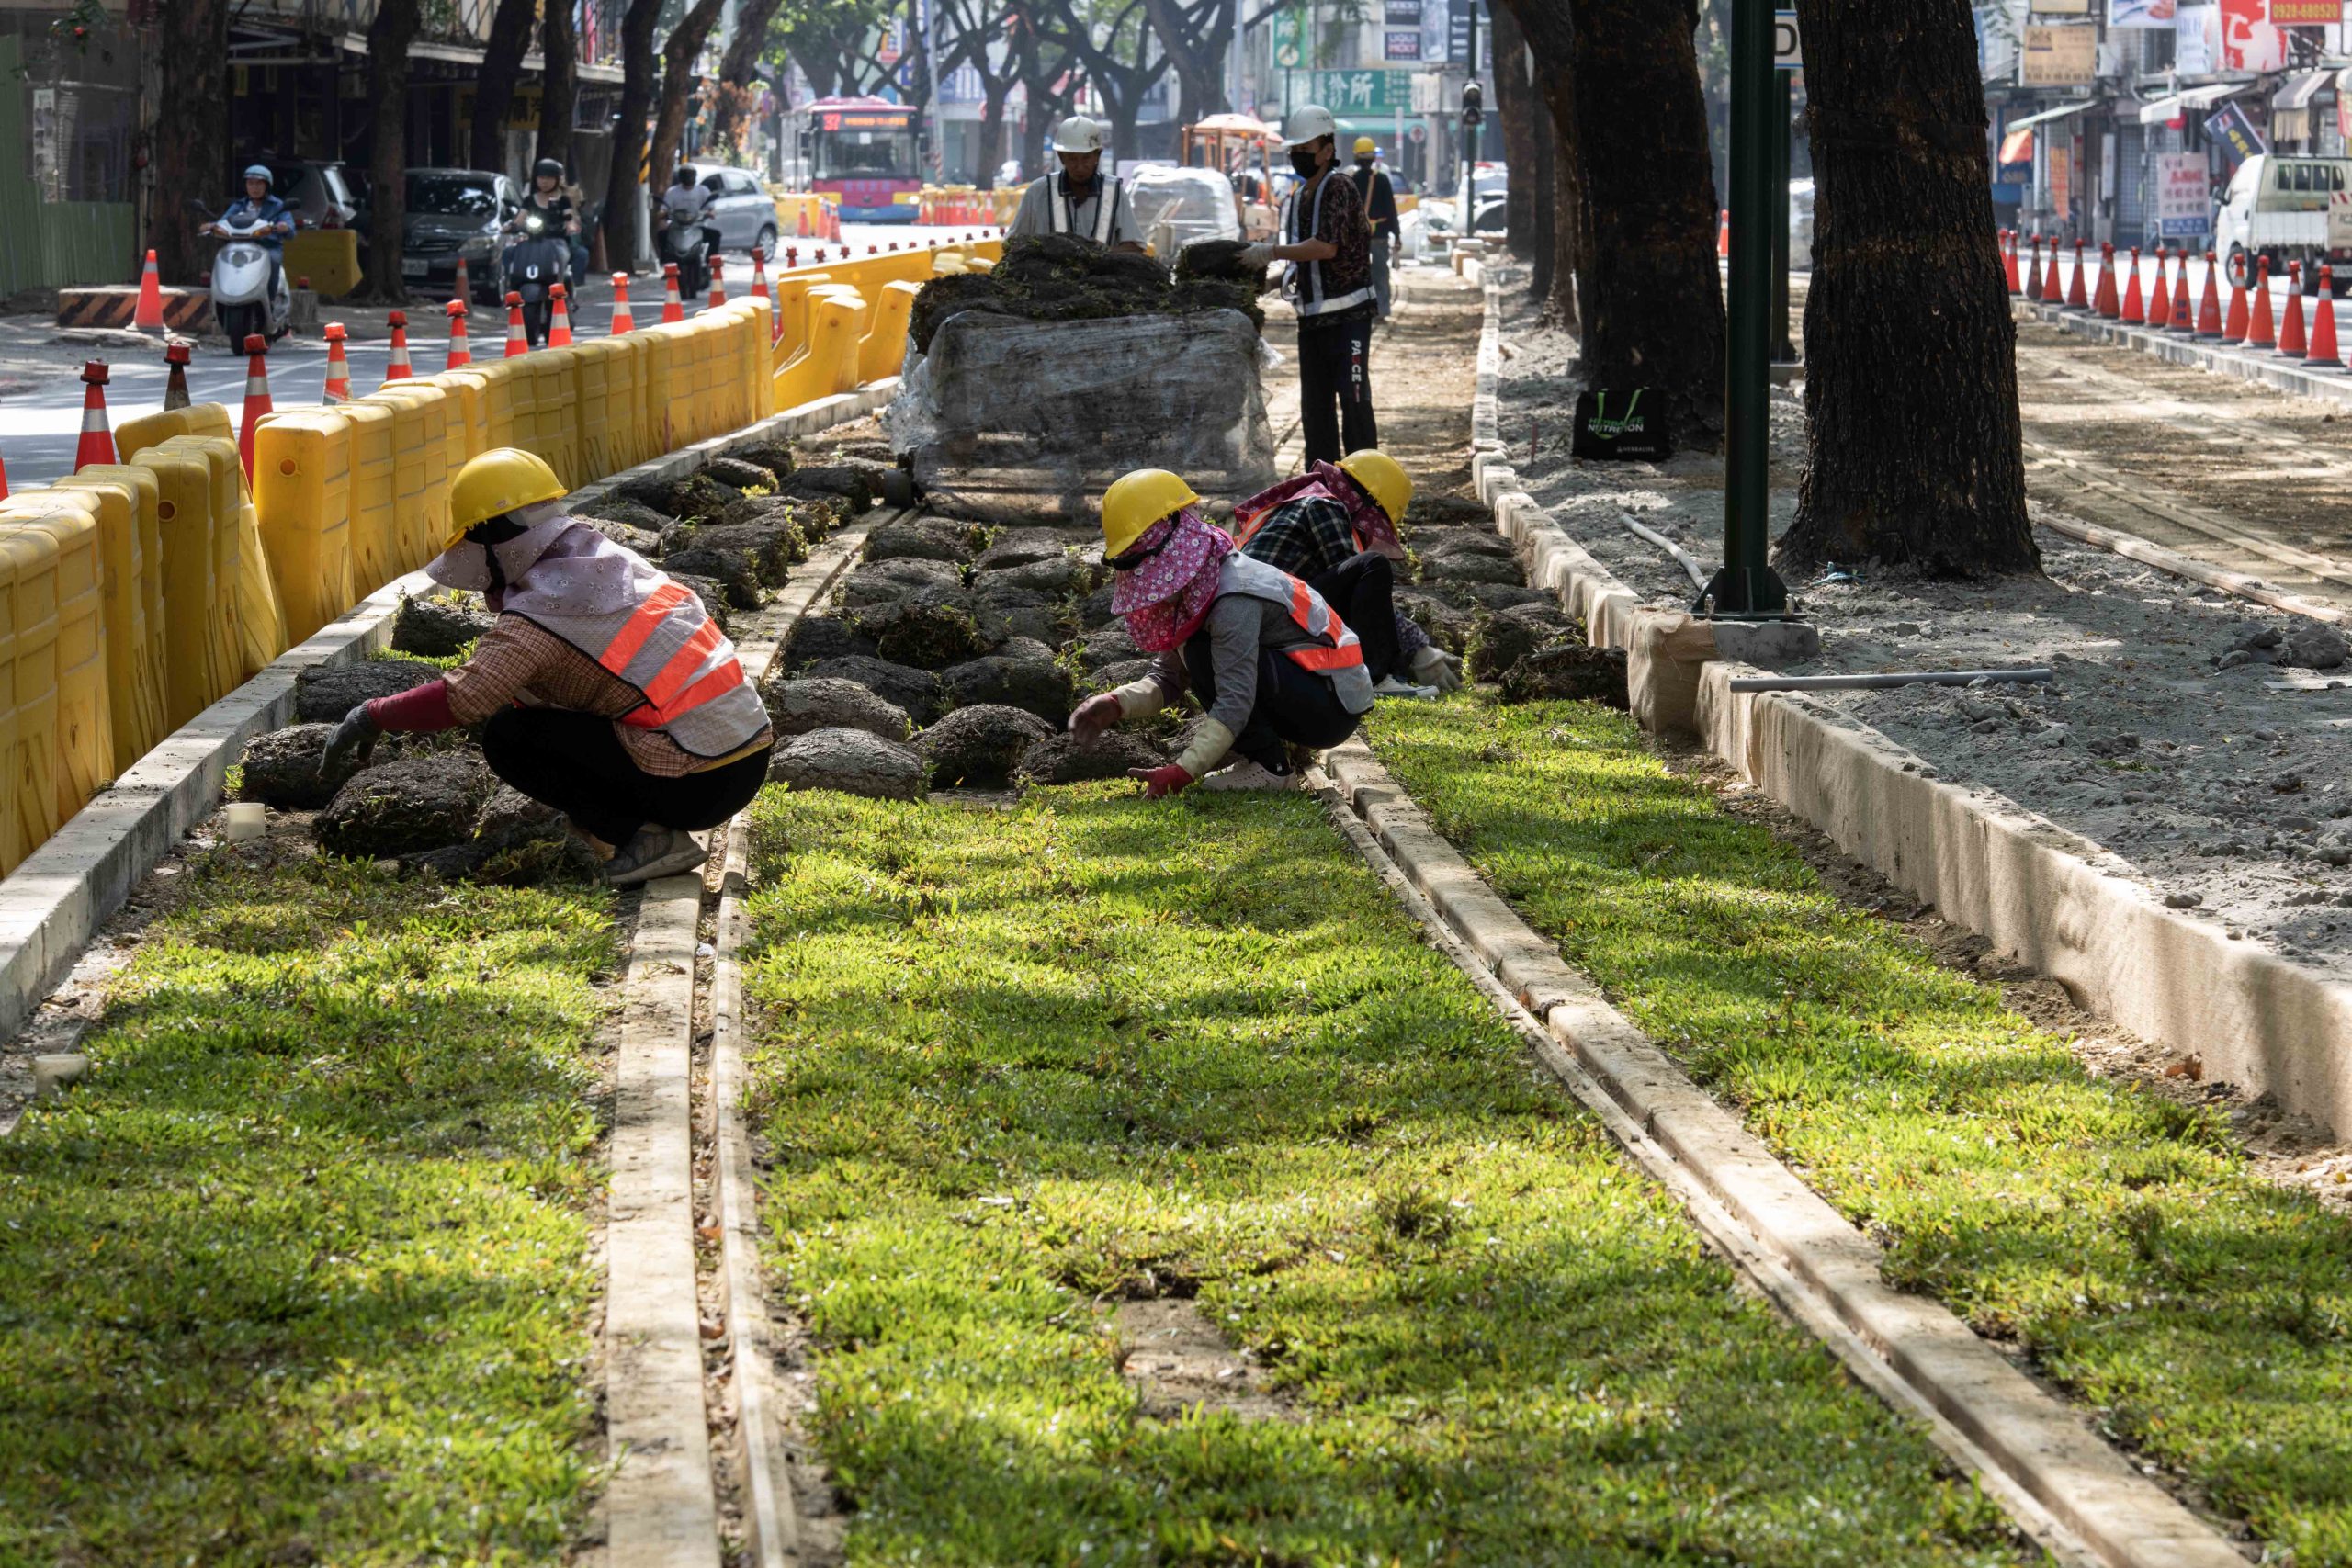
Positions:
{"x": 2276, "y": 209}
{"x": 319, "y": 190}
{"x": 454, "y": 213}
{"x": 740, "y": 206}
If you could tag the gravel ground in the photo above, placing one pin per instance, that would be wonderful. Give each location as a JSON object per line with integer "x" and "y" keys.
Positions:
{"x": 2228, "y": 788}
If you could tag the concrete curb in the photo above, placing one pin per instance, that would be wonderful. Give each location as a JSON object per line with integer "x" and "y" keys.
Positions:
{"x": 2222, "y": 359}
{"x": 2022, "y": 1434}
{"x": 2065, "y": 904}
{"x": 52, "y": 904}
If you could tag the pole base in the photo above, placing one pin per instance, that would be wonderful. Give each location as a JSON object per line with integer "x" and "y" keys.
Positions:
{"x": 1754, "y": 594}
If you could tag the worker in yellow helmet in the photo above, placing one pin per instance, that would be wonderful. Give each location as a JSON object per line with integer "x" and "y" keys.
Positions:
{"x": 1270, "y": 660}
{"x": 604, "y": 690}
{"x": 1335, "y": 528}
{"x": 1379, "y": 196}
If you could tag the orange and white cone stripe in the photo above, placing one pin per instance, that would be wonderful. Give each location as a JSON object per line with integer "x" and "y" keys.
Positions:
{"x": 560, "y": 324}
{"x": 672, "y": 307}
{"x": 514, "y": 340}
{"x": 176, "y": 352}
{"x": 623, "y": 321}
{"x": 338, "y": 366}
{"x": 461, "y": 351}
{"x": 397, "y": 367}
{"x": 257, "y": 397}
{"x": 718, "y": 283}
{"x": 148, "y": 315}
{"x": 98, "y": 439}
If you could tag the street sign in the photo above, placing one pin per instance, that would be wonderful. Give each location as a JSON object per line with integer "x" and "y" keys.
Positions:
{"x": 1786, "y": 55}
{"x": 1288, "y": 55}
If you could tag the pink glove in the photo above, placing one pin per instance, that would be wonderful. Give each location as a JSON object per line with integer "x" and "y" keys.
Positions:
{"x": 1097, "y": 714}
{"x": 1161, "y": 781}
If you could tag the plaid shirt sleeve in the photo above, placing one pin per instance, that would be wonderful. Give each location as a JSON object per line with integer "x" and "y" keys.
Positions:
{"x": 506, "y": 660}
{"x": 1304, "y": 537}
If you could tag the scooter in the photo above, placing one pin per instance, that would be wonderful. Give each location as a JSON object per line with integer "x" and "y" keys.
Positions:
{"x": 685, "y": 239}
{"x": 540, "y": 259}
{"x": 244, "y": 302}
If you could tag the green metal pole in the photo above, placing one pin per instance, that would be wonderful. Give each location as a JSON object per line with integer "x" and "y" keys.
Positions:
{"x": 1784, "y": 348}
{"x": 1746, "y": 586}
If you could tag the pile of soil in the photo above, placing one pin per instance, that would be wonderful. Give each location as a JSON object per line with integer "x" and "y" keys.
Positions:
{"x": 1055, "y": 277}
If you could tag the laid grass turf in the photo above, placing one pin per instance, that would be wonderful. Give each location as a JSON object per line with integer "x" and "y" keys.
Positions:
{"x": 1017, "y": 1065}
{"x": 2115, "y": 1235}
{"x": 302, "y": 1273}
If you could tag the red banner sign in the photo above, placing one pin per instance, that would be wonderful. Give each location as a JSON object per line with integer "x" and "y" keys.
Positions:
{"x": 2306, "y": 12}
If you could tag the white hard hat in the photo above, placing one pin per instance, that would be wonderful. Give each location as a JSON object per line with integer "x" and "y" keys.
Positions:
{"x": 1078, "y": 134}
{"x": 1308, "y": 124}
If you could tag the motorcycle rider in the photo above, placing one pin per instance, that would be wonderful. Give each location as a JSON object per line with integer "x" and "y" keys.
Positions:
{"x": 551, "y": 202}
{"x": 685, "y": 195}
{"x": 258, "y": 205}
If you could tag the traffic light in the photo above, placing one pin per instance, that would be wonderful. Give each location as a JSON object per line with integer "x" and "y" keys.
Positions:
{"x": 1474, "y": 103}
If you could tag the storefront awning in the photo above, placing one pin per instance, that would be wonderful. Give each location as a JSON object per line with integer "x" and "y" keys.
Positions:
{"x": 2017, "y": 147}
{"x": 2298, "y": 91}
{"x": 2196, "y": 99}
{"x": 2045, "y": 117}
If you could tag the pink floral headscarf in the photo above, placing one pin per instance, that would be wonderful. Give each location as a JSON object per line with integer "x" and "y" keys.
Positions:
{"x": 1166, "y": 599}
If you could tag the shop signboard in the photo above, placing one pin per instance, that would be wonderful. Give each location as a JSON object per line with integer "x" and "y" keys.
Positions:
{"x": 2183, "y": 200}
{"x": 2060, "y": 55}
{"x": 2229, "y": 129}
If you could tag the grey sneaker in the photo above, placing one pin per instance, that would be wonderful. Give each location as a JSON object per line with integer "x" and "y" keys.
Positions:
{"x": 655, "y": 852}
{"x": 1248, "y": 775}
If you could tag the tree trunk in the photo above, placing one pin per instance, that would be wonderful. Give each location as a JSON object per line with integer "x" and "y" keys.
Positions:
{"x": 389, "y": 37}
{"x": 628, "y": 133}
{"x": 1198, "y": 54}
{"x": 678, "y": 54}
{"x": 1543, "y": 218}
{"x": 560, "y": 46}
{"x": 502, "y": 67}
{"x": 1549, "y": 37}
{"x": 191, "y": 136}
{"x": 997, "y": 89}
{"x": 1648, "y": 292}
{"x": 1911, "y": 391}
{"x": 736, "y": 69}
{"x": 1516, "y": 111}
{"x": 1565, "y": 221}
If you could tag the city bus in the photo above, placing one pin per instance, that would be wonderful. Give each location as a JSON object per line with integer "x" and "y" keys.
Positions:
{"x": 867, "y": 154}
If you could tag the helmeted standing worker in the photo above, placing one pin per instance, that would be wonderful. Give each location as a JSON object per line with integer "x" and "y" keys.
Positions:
{"x": 604, "y": 690}
{"x": 1379, "y": 199}
{"x": 1334, "y": 528}
{"x": 1080, "y": 198}
{"x": 1270, "y": 660}
{"x": 1325, "y": 238}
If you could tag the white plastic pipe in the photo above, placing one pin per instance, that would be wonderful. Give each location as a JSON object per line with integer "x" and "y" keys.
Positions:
{"x": 1878, "y": 683}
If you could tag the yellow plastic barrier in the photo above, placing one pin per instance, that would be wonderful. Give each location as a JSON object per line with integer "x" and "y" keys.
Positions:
{"x": 124, "y": 497}
{"x": 421, "y": 470}
{"x": 792, "y": 313}
{"x": 328, "y": 257}
{"x": 830, "y": 358}
{"x": 196, "y": 666}
{"x": 247, "y": 618}
{"x": 86, "y": 761}
{"x": 29, "y": 668}
{"x": 604, "y": 403}
{"x": 883, "y": 352}
{"x": 375, "y": 533}
{"x": 147, "y": 430}
{"x": 302, "y": 489}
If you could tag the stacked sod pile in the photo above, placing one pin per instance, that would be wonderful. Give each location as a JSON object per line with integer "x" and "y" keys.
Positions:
{"x": 1057, "y": 278}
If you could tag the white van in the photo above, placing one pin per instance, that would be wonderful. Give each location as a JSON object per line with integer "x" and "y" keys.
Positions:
{"x": 2277, "y": 209}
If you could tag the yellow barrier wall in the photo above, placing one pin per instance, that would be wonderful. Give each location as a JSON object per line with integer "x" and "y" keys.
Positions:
{"x": 63, "y": 609}
{"x": 884, "y": 350}
{"x": 328, "y": 257}
{"x": 833, "y": 346}
{"x": 303, "y": 488}
{"x": 132, "y": 588}
{"x": 245, "y": 626}
{"x": 193, "y": 669}
{"x": 28, "y": 659}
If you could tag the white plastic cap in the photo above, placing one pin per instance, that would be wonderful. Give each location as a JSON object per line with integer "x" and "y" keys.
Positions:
{"x": 1078, "y": 134}
{"x": 1308, "y": 124}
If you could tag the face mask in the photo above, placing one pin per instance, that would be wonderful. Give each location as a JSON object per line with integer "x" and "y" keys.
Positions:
{"x": 1302, "y": 159}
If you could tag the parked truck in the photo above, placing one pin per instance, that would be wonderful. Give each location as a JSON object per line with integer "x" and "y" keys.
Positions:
{"x": 2277, "y": 209}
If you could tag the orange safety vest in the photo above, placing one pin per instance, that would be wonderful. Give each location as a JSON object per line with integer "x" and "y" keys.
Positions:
{"x": 670, "y": 650}
{"x": 1336, "y": 654}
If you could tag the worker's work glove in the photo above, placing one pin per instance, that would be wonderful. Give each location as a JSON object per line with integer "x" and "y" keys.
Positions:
{"x": 1096, "y": 714}
{"x": 1161, "y": 781}
{"x": 1432, "y": 666}
{"x": 1258, "y": 252}
{"x": 354, "y": 740}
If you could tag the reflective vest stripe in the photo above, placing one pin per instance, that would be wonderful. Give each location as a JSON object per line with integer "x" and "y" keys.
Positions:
{"x": 682, "y": 665}
{"x": 726, "y": 678}
{"x": 642, "y": 626}
{"x": 1317, "y": 618}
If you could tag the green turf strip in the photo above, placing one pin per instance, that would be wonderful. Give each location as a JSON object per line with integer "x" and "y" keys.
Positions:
{"x": 1014, "y": 1064}
{"x": 2207, "y": 1313}
{"x": 302, "y": 1273}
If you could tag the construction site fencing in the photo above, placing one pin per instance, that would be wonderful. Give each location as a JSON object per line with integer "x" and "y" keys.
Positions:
{"x": 134, "y": 595}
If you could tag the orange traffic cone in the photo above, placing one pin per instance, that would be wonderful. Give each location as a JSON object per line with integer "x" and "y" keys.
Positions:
{"x": 804, "y": 221}
{"x": 2103, "y": 300}
{"x": 2290, "y": 324}
{"x": 338, "y": 367}
{"x": 560, "y": 326}
{"x": 2183, "y": 318}
{"x": 2052, "y": 291}
{"x": 2078, "y": 286}
{"x": 175, "y": 354}
{"x": 2160, "y": 298}
{"x": 148, "y": 314}
{"x": 2324, "y": 354}
{"x": 257, "y": 397}
{"x": 97, "y": 440}
{"x": 672, "y": 307}
{"x": 2259, "y": 332}
{"x": 834, "y": 223}
{"x": 1722, "y": 233}
{"x": 2008, "y": 243}
{"x": 718, "y": 283}
{"x": 2132, "y": 314}
{"x": 2235, "y": 325}
{"x": 623, "y": 322}
{"x": 515, "y": 340}
{"x": 2208, "y": 307}
{"x": 397, "y": 367}
{"x": 2033, "y": 278}
{"x": 461, "y": 351}
{"x": 760, "y": 273}
{"x": 464, "y": 287}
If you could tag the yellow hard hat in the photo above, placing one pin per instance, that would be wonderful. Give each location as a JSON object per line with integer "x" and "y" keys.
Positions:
{"x": 1137, "y": 500}
{"x": 1382, "y": 478}
{"x": 495, "y": 484}
{"x": 1364, "y": 149}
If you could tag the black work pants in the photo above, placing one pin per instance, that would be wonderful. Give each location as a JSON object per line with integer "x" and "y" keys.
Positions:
{"x": 575, "y": 762}
{"x": 1335, "y": 389}
{"x": 1362, "y": 591}
{"x": 1294, "y": 705}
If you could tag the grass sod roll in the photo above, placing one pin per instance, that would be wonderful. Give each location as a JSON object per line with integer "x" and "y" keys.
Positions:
{"x": 1015, "y": 1066}
{"x": 303, "y": 1271}
{"x": 2116, "y": 1236}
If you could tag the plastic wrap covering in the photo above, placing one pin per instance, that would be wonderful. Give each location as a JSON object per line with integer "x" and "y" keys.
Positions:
{"x": 1176, "y": 207}
{"x": 1007, "y": 418}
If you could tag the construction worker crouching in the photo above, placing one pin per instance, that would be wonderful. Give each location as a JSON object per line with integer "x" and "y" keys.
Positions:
{"x": 1080, "y": 200}
{"x": 1270, "y": 660}
{"x": 1335, "y": 528}
{"x": 604, "y": 690}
